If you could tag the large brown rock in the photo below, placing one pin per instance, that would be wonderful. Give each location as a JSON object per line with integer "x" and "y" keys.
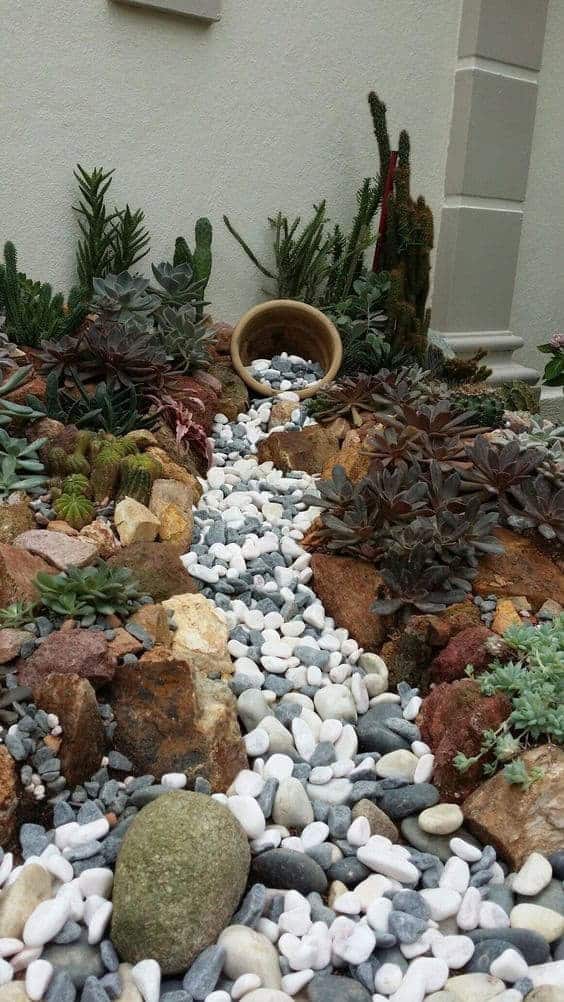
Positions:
{"x": 58, "y": 549}
{"x": 15, "y": 518}
{"x": 348, "y": 588}
{"x": 308, "y": 449}
{"x": 18, "y": 570}
{"x": 10, "y": 643}
{"x": 453, "y": 718}
{"x": 74, "y": 701}
{"x": 172, "y": 719}
{"x": 234, "y": 397}
{"x": 517, "y": 821}
{"x": 9, "y": 798}
{"x": 520, "y": 570}
{"x": 158, "y": 569}
{"x": 69, "y": 652}
{"x": 469, "y": 647}
{"x": 354, "y": 460}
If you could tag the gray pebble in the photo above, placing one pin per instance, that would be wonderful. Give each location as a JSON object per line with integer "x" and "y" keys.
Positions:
{"x": 202, "y": 977}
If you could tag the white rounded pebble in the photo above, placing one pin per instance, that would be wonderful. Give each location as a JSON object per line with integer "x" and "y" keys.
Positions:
{"x": 292, "y": 806}
{"x": 337, "y": 791}
{"x": 146, "y": 976}
{"x": 346, "y": 746}
{"x": 388, "y": 978}
{"x": 45, "y": 922}
{"x": 387, "y": 862}
{"x": 378, "y": 913}
{"x": 330, "y": 730}
{"x": 37, "y": 978}
{"x": 10, "y": 945}
{"x": 293, "y": 983}
{"x": 509, "y": 966}
{"x": 303, "y": 738}
{"x": 533, "y": 877}
{"x": 314, "y": 834}
{"x": 6, "y": 972}
{"x": 424, "y": 768}
{"x": 297, "y": 921}
{"x": 268, "y": 929}
{"x": 244, "y": 984}
{"x": 335, "y": 701}
{"x": 174, "y": 780}
{"x": 357, "y": 946}
{"x": 347, "y": 904}
{"x": 442, "y": 902}
{"x": 468, "y": 852}
{"x": 456, "y": 875}
{"x": 456, "y": 951}
{"x": 412, "y": 708}
{"x": 59, "y": 867}
{"x": 399, "y": 764}
{"x": 278, "y": 767}
{"x": 98, "y": 922}
{"x": 96, "y": 880}
{"x": 256, "y": 742}
{"x": 442, "y": 819}
{"x": 248, "y": 814}
{"x": 359, "y": 832}
{"x": 248, "y": 783}
{"x": 493, "y": 916}
{"x": 218, "y": 997}
{"x": 468, "y": 917}
{"x": 546, "y": 921}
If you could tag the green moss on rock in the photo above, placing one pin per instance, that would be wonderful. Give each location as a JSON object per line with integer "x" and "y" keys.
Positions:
{"x": 180, "y": 874}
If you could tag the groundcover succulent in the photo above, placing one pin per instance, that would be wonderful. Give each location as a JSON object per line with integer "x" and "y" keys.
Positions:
{"x": 87, "y": 592}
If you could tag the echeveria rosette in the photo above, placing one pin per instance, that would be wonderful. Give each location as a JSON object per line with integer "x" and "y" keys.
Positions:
{"x": 554, "y": 369}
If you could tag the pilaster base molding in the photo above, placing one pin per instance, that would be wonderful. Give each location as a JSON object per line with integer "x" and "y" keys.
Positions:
{"x": 499, "y": 346}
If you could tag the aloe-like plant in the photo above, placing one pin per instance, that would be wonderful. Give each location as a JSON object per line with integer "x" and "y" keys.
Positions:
{"x": 10, "y": 411}
{"x": 16, "y": 615}
{"x": 84, "y": 593}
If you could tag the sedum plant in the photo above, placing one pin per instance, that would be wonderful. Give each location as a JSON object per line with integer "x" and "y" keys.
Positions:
{"x": 16, "y": 615}
{"x": 534, "y": 684}
{"x": 84, "y": 593}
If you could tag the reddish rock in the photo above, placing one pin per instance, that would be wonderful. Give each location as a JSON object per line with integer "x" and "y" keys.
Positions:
{"x": 348, "y": 588}
{"x": 57, "y": 548}
{"x": 453, "y": 718}
{"x": 35, "y": 386}
{"x": 10, "y": 643}
{"x": 171, "y": 719}
{"x": 221, "y": 347}
{"x": 234, "y": 396}
{"x": 9, "y": 798}
{"x": 355, "y": 461}
{"x": 308, "y": 449}
{"x": 517, "y": 821}
{"x": 185, "y": 389}
{"x": 520, "y": 570}
{"x": 469, "y": 647}
{"x": 15, "y": 518}
{"x": 158, "y": 569}
{"x": 18, "y": 570}
{"x": 74, "y": 701}
{"x": 78, "y": 652}
{"x": 123, "y": 643}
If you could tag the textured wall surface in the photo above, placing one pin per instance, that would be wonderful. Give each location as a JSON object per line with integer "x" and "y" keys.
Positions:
{"x": 538, "y": 301}
{"x": 265, "y": 110}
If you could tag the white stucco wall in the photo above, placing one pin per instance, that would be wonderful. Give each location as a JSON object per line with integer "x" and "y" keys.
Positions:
{"x": 265, "y": 110}
{"x": 538, "y": 300}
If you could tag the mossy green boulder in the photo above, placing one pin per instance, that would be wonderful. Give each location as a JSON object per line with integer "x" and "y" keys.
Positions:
{"x": 180, "y": 874}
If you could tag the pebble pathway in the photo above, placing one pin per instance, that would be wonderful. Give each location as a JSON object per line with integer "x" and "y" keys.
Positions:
{"x": 336, "y": 765}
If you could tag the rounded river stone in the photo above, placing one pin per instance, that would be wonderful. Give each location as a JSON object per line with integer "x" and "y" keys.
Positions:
{"x": 287, "y": 869}
{"x": 179, "y": 877}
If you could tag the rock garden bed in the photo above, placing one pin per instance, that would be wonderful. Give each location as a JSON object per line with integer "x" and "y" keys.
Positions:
{"x": 282, "y": 681}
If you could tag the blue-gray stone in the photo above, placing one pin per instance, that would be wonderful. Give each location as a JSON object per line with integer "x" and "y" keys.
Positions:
{"x": 79, "y": 960}
{"x": 481, "y": 878}
{"x": 275, "y": 907}
{"x": 333, "y": 988}
{"x": 89, "y": 812}
{"x": 202, "y": 785}
{"x": 350, "y": 870}
{"x": 311, "y": 656}
{"x": 488, "y": 857}
{"x": 320, "y": 810}
{"x": 93, "y": 991}
{"x": 61, "y": 988}
{"x": 286, "y": 712}
{"x": 405, "y": 728}
{"x": 523, "y": 986}
{"x": 109, "y": 956}
{"x": 85, "y": 851}
{"x": 556, "y": 860}
{"x": 112, "y": 985}
{"x": 552, "y": 896}
{"x": 70, "y": 932}
{"x": 365, "y": 974}
{"x": 407, "y": 928}
{"x": 33, "y": 839}
{"x": 411, "y": 902}
{"x": 339, "y": 820}
{"x": 501, "y": 895}
{"x": 251, "y": 907}
{"x": 531, "y": 944}
{"x": 119, "y": 762}
{"x": 286, "y": 869}
{"x": 277, "y": 684}
{"x": 203, "y": 975}
{"x": 324, "y": 754}
{"x": 265, "y": 799}
{"x": 146, "y": 796}
{"x": 486, "y": 952}
{"x": 87, "y": 864}
{"x": 322, "y": 854}
{"x": 399, "y": 804}
{"x": 301, "y": 771}
{"x": 177, "y": 996}
{"x": 320, "y": 912}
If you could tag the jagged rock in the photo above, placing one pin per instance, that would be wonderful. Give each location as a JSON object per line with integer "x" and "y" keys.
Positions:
{"x": 469, "y": 647}
{"x": 308, "y": 449}
{"x": 10, "y": 793}
{"x": 522, "y": 569}
{"x": 171, "y": 719}
{"x": 158, "y": 569}
{"x": 69, "y": 652}
{"x": 15, "y": 517}
{"x": 234, "y": 397}
{"x": 176, "y": 527}
{"x": 154, "y": 620}
{"x": 101, "y": 535}
{"x": 18, "y": 570}
{"x": 174, "y": 471}
{"x": 74, "y": 701}
{"x": 348, "y": 588}
{"x": 516, "y": 821}
{"x": 453, "y": 718}
{"x": 166, "y": 492}
{"x": 58, "y": 549}
{"x": 201, "y": 635}
{"x": 134, "y": 522}
{"x": 10, "y": 643}
{"x": 195, "y": 853}
{"x": 354, "y": 460}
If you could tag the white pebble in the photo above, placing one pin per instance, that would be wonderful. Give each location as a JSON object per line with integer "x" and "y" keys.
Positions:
{"x": 456, "y": 875}
{"x": 388, "y": 978}
{"x": 293, "y": 983}
{"x": 509, "y": 966}
{"x": 533, "y": 877}
{"x": 465, "y": 850}
{"x": 248, "y": 784}
{"x": 96, "y": 880}
{"x": 37, "y": 978}
{"x": 146, "y": 976}
{"x": 359, "y": 832}
{"x": 424, "y": 768}
{"x": 6, "y": 972}
{"x": 468, "y": 917}
{"x": 174, "y": 780}
{"x": 456, "y": 951}
{"x": 248, "y": 814}
{"x": 244, "y": 984}
{"x": 256, "y": 742}
{"x": 45, "y": 922}
{"x": 493, "y": 916}
{"x": 314, "y": 834}
{"x": 98, "y": 922}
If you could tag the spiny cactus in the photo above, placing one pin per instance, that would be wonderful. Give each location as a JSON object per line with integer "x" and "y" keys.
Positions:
{"x": 77, "y": 483}
{"x": 75, "y": 509}
{"x": 405, "y": 241}
{"x": 200, "y": 259}
{"x": 137, "y": 475}
{"x": 106, "y": 466}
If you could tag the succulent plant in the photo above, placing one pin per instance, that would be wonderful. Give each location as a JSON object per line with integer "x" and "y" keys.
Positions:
{"x": 126, "y": 299}
{"x": 84, "y": 593}
{"x": 186, "y": 340}
{"x": 10, "y": 354}
{"x": 77, "y": 483}
{"x": 11, "y": 480}
{"x": 16, "y": 615}
{"x": 137, "y": 474}
{"x": 498, "y": 468}
{"x": 541, "y": 504}
{"x": 75, "y": 509}
{"x": 105, "y": 465}
{"x": 10, "y": 411}
{"x": 351, "y": 397}
{"x": 416, "y": 583}
{"x": 188, "y": 432}
{"x": 177, "y": 286}
{"x": 200, "y": 259}
{"x": 20, "y": 467}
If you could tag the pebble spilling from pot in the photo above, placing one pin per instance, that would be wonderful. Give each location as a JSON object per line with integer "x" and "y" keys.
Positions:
{"x": 286, "y": 372}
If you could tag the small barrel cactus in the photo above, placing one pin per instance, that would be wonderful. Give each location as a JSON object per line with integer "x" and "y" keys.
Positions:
{"x": 75, "y": 509}
{"x": 77, "y": 483}
{"x": 137, "y": 475}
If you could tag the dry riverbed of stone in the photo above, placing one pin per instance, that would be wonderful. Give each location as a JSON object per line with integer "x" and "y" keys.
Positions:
{"x": 330, "y": 870}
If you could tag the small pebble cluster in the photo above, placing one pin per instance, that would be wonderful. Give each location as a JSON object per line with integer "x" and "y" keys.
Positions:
{"x": 286, "y": 372}
{"x": 364, "y": 887}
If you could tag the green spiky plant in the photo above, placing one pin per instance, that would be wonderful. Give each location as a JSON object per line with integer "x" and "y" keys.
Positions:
{"x": 13, "y": 412}
{"x": 404, "y": 248}
{"x": 75, "y": 509}
{"x": 112, "y": 240}
{"x": 84, "y": 593}
{"x": 137, "y": 475}
{"x": 33, "y": 313}
{"x": 105, "y": 469}
{"x": 185, "y": 339}
{"x": 200, "y": 259}
{"x": 20, "y": 467}
{"x": 16, "y": 615}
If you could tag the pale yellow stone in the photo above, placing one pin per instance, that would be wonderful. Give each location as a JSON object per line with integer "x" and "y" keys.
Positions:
{"x": 169, "y": 491}
{"x": 442, "y": 819}
{"x": 336, "y": 888}
{"x": 21, "y": 898}
{"x": 400, "y": 764}
{"x": 175, "y": 526}
{"x": 545, "y": 921}
{"x": 505, "y": 615}
{"x": 129, "y": 992}
{"x": 201, "y": 635}
{"x": 475, "y": 987}
{"x": 134, "y": 522}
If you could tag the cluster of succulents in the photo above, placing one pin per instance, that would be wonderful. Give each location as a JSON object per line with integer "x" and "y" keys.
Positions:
{"x": 20, "y": 466}
{"x": 435, "y": 491}
{"x": 84, "y": 593}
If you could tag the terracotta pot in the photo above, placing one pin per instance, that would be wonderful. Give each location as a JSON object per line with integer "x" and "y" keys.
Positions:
{"x": 286, "y": 325}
